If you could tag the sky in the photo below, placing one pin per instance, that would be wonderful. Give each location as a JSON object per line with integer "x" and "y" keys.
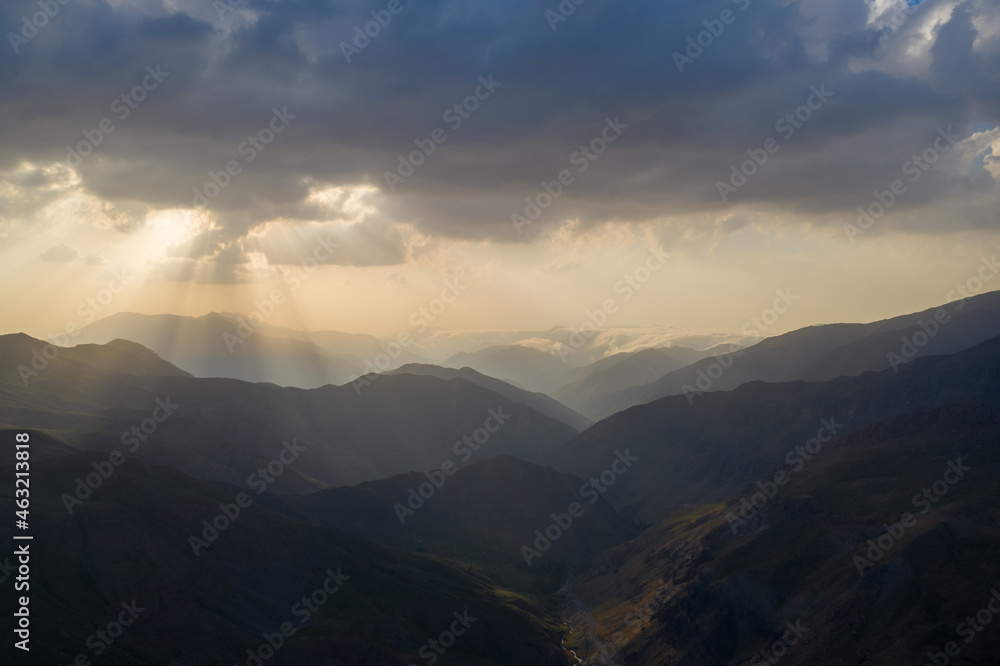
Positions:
{"x": 340, "y": 165}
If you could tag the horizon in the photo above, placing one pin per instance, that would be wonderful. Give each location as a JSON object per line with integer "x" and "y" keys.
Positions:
{"x": 821, "y": 158}
{"x": 572, "y": 332}
{"x": 284, "y": 322}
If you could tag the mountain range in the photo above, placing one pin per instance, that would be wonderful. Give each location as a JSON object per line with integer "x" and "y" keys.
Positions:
{"x": 824, "y": 496}
{"x": 818, "y": 353}
{"x": 225, "y": 429}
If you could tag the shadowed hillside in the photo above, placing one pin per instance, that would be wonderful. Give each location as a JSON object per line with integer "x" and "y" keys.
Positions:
{"x": 819, "y": 353}
{"x": 225, "y": 430}
{"x": 703, "y": 453}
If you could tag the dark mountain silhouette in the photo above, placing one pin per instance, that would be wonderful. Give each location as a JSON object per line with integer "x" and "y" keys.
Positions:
{"x": 537, "y": 401}
{"x": 25, "y": 358}
{"x": 818, "y": 353}
{"x": 483, "y": 511}
{"x": 683, "y": 355}
{"x": 214, "y": 345}
{"x": 591, "y": 392}
{"x": 524, "y": 367}
{"x": 828, "y": 555}
{"x": 704, "y": 452}
{"x": 346, "y": 600}
{"x": 226, "y": 430}
{"x": 401, "y": 482}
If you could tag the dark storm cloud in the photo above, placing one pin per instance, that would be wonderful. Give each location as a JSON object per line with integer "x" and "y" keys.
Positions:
{"x": 228, "y": 71}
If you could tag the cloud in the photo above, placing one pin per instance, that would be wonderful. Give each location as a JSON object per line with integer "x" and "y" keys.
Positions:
{"x": 60, "y": 254}
{"x": 353, "y": 121}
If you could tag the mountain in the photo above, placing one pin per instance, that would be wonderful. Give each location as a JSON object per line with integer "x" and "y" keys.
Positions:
{"x": 440, "y": 344}
{"x": 258, "y": 587}
{"x": 524, "y": 367}
{"x": 352, "y": 346}
{"x": 27, "y": 358}
{"x": 705, "y": 452}
{"x": 540, "y": 402}
{"x": 483, "y": 511}
{"x": 683, "y": 355}
{"x": 818, "y": 353}
{"x": 228, "y": 430}
{"x": 548, "y": 372}
{"x": 592, "y": 390}
{"x": 880, "y": 550}
{"x": 214, "y": 345}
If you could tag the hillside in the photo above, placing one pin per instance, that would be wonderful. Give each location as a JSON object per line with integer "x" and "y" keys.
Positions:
{"x": 818, "y": 353}
{"x": 214, "y": 345}
{"x": 524, "y": 367}
{"x": 708, "y": 588}
{"x": 537, "y": 401}
{"x": 483, "y": 511}
{"x": 592, "y": 391}
{"x": 705, "y": 452}
{"x": 345, "y": 600}
{"x": 226, "y": 430}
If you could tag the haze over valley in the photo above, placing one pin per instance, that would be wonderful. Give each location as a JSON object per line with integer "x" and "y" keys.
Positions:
{"x": 559, "y": 333}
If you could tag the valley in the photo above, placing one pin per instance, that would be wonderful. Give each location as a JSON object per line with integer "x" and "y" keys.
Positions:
{"x": 829, "y": 520}
{"x": 500, "y": 333}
